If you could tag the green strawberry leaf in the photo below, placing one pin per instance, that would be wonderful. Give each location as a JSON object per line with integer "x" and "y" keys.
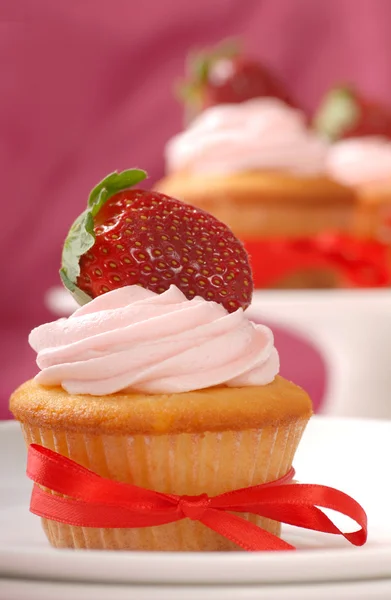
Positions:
{"x": 337, "y": 113}
{"x": 81, "y": 236}
{"x": 115, "y": 182}
{"x": 198, "y": 65}
{"x": 78, "y": 294}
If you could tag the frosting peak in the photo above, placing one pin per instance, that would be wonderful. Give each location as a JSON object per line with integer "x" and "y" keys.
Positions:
{"x": 263, "y": 133}
{"x": 134, "y": 339}
{"x": 358, "y": 161}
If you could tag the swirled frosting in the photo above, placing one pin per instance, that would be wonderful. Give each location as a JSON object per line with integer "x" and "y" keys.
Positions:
{"x": 263, "y": 133}
{"x": 132, "y": 339}
{"x": 359, "y": 161}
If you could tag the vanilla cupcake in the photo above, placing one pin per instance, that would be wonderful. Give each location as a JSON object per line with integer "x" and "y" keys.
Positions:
{"x": 159, "y": 379}
{"x": 171, "y": 394}
{"x": 258, "y": 168}
{"x": 364, "y": 164}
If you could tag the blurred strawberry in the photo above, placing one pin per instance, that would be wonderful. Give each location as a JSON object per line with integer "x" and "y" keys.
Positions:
{"x": 224, "y": 76}
{"x": 344, "y": 113}
{"x": 137, "y": 237}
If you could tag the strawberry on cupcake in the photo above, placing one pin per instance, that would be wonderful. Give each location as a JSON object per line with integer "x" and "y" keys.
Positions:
{"x": 225, "y": 75}
{"x": 131, "y": 236}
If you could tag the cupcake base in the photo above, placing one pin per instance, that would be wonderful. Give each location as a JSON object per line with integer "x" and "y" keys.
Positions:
{"x": 206, "y": 441}
{"x": 373, "y": 214}
{"x": 191, "y": 464}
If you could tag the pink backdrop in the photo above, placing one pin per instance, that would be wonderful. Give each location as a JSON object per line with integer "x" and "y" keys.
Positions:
{"x": 86, "y": 89}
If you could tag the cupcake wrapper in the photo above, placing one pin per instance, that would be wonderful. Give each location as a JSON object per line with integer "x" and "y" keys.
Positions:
{"x": 186, "y": 463}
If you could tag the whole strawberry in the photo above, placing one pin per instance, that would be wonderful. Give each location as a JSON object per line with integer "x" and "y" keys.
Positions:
{"x": 224, "y": 76}
{"x": 137, "y": 237}
{"x": 344, "y": 113}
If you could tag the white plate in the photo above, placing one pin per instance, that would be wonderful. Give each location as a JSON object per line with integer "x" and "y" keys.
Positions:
{"x": 352, "y": 331}
{"x": 352, "y": 455}
{"x": 45, "y": 590}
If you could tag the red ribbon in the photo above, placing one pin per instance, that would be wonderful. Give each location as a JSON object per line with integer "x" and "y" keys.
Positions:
{"x": 359, "y": 262}
{"x": 94, "y": 501}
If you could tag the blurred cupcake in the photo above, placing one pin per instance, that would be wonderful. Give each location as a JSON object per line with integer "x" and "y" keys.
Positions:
{"x": 361, "y": 155}
{"x": 365, "y": 165}
{"x": 257, "y": 167}
{"x": 166, "y": 390}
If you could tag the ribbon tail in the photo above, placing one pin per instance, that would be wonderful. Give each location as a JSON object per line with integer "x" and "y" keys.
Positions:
{"x": 245, "y": 534}
{"x": 300, "y": 505}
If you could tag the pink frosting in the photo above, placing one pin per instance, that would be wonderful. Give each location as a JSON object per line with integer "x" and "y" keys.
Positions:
{"x": 359, "y": 161}
{"x": 263, "y": 133}
{"x": 134, "y": 339}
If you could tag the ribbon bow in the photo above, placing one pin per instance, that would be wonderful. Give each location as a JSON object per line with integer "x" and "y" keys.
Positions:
{"x": 94, "y": 501}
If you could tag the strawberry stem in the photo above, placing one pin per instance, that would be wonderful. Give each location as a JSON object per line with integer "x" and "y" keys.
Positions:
{"x": 113, "y": 183}
{"x": 337, "y": 113}
{"x": 198, "y": 66}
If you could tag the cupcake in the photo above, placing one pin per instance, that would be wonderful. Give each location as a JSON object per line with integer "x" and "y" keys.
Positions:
{"x": 257, "y": 167}
{"x": 159, "y": 379}
{"x": 360, "y": 157}
{"x": 365, "y": 165}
